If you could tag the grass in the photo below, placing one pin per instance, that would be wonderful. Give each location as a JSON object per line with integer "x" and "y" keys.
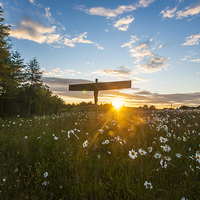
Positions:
{"x": 86, "y": 154}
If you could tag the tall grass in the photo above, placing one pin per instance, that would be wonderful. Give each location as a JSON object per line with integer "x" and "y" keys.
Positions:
{"x": 101, "y": 155}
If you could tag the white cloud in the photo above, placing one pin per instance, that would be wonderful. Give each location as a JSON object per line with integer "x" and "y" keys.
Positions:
{"x": 48, "y": 14}
{"x": 120, "y": 72}
{"x": 192, "y": 40}
{"x": 80, "y": 39}
{"x": 145, "y": 3}
{"x": 109, "y": 13}
{"x": 123, "y": 23}
{"x": 58, "y": 72}
{"x": 31, "y": 30}
{"x": 106, "y": 30}
{"x": 188, "y": 11}
{"x": 129, "y": 44}
{"x": 196, "y": 60}
{"x": 168, "y": 13}
{"x": 53, "y": 72}
{"x": 142, "y": 52}
{"x": 32, "y": 1}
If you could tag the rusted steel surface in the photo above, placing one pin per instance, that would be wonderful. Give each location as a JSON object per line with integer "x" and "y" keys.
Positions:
{"x": 100, "y": 86}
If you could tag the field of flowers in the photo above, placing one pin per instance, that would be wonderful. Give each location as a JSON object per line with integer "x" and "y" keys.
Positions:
{"x": 105, "y": 154}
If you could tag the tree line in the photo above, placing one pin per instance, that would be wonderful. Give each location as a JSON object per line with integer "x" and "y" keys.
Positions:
{"x": 22, "y": 91}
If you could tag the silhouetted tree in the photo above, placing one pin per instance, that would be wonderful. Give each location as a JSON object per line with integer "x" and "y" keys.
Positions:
{"x": 33, "y": 78}
{"x": 152, "y": 107}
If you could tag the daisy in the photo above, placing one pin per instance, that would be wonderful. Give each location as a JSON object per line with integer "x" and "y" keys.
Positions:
{"x": 107, "y": 141}
{"x": 166, "y": 148}
{"x": 197, "y": 156}
{"x": 44, "y": 183}
{"x": 85, "y": 144}
{"x": 169, "y": 134}
{"x": 132, "y": 154}
{"x": 150, "y": 149}
{"x": 178, "y": 155}
{"x": 157, "y": 155}
{"x": 46, "y": 174}
{"x": 167, "y": 158}
{"x": 142, "y": 152}
{"x": 163, "y": 140}
{"x": 163, "y": 163}
{"x": 148, "y": 185}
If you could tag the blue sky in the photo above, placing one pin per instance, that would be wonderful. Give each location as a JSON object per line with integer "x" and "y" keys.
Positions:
{"x": 154, "y": 43}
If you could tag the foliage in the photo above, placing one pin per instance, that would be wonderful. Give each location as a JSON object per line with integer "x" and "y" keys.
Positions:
{"x": 90, "y": 155}
{"x": 21, "y": 89}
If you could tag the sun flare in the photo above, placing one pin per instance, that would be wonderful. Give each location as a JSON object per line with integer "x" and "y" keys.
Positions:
{"x": 117, "y": 104}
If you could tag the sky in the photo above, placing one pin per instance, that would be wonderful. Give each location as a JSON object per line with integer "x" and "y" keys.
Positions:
{"x": 153, "y": 43}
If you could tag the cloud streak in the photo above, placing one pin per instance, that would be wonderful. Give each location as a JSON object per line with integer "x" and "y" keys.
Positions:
{"x": 192, "y": 40}
{"x": 123, "y": 23}
{"x": 186, "y": 12}
{"x": 134, "y": 97}
{"x": 142, "y": 53}
{"x": 31, "y": 30}
{"x": 122, "y": 71}
{"x": 110, "y": 13}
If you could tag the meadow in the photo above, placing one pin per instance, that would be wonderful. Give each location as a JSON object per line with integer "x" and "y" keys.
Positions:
{"x": 101, "y": 154}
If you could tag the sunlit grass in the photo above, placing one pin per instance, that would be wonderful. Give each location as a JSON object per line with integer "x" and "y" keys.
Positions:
{"x": 113, "y": 154}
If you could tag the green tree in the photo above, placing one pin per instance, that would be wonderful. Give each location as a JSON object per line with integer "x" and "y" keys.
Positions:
{"x": 34, "y": 82}
{"x": 33, "y": 72}
{"x": 4, "y": 48}
{"x": 4, "y": 58}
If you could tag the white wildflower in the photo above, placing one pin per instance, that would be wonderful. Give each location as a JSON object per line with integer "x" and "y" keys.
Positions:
{"x": 178, "y": 155}
{"x": 163, "y": 140}
{"x": 148, "y": 185}
{"x": 46, "y": 174}
{"x": 85, "y": 144}
{"x": 163, "y": 163}
{"x": 142, "y": 152}
{"x": 132, "y": 154}
{"x": 157, "y": 155}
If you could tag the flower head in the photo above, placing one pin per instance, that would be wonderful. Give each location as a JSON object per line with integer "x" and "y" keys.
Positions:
{"x": 44, "y": 183}
{"x": 142, "y": 152}
{"x": 46, "y": 174}
{"x": 167, "y": 158}
{"x": 150, "y": 149}
{"x": 163, "y": 163}
{"x": 133, "y": 154}
{"x": 166, "y": 148}
{"x": 197, "y": 156}
{"x": 157, "y": 155}
{"x": 55, "y": 138}
{"x": 85, "y": 144}
{"x": 178, "y": 155}
{"x": 163, "y": 140}
{"x": 148, "y": 185}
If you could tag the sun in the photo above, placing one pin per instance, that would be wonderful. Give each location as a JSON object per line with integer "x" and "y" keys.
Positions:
{"x": 117, "y": 104}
